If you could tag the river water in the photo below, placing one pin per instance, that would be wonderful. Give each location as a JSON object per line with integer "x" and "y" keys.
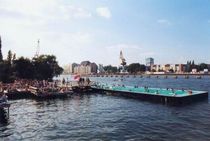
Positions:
{"x": 100, "y": 117}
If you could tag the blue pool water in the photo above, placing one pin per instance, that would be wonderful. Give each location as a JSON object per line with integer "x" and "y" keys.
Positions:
{"x": 147, "y": 90}
{"x": 104, "y": 117}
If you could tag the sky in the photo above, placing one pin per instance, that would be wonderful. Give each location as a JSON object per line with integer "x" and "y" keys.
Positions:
{"x": 170, "y": 31}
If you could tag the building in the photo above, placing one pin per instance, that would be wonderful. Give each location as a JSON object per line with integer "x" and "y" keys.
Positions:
{"x": 177, "y": 68}
{"x": 149, "y": 62}
{"x": 71, "y": 67}
{"x": 166, "y": 67}
{"x": 66, "y": 69}
{"x": 82, "y": 69}
{"x": 94, "y": 67}
{"x": 157, "y": 68}
{"x": 86, "y": 67}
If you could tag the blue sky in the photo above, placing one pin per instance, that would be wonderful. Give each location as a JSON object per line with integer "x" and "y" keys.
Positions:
{"x": 171, "y": 31}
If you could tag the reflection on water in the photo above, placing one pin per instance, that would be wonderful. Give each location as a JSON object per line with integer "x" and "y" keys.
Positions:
{"x": 103, "y": 117}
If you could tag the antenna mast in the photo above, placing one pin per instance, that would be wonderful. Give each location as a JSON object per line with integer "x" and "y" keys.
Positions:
{"x": 37, "y": 49}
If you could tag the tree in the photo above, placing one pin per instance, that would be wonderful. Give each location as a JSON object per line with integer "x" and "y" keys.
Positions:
{"x": 142, "y": 68}
{"x": 9, "y": 57}
{"x": 1, "y": 57}
{"x": 193, "y": 63}
{"x": 134, "y": 68}
{"x": 14, "y": 57}
{"x": 6, "y": 72}
{"x": 202, "y": 66}
{"x": 46, "y": 67}
{"x": 110, "y": 69}
{"x": 23, "y": 68}
{"x": 188, "y": 66}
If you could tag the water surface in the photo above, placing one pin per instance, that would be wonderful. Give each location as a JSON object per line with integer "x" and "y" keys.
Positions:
{"x": 104, "y": 117}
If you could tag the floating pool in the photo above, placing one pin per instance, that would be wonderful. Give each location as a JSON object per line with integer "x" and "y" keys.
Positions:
{"x": 152, "y": 93}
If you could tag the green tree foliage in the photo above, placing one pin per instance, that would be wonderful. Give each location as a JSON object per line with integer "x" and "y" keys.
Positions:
{"x": 23, "y": 68}
{"x": 202, "y": 66}
{"x": 189, "y": 66}
{"x": 6, "y": 72}
{"x": 110, "y": 69}
{"x": 136, "y": 67}
{"x": 46, "y": 67}
{"x": 14, "y": 57}
{"x": 9, "y": 57}
{"x": 1, "y": 57}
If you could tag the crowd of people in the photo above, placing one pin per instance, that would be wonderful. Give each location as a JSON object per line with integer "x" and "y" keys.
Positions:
{"x": 42, "y": 86}
{"x": 24, "y": 85}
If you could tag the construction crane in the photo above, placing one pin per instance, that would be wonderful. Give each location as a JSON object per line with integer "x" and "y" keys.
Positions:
{"x": 122, "y": 59}
{"x": 122, "y": 62}
{"x": 37, "y": 49}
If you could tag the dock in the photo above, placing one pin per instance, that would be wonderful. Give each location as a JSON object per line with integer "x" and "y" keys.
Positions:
{"x": 167, "y": 96}
{"x": 60, "y": 91}
{"x": 145, "y": 93}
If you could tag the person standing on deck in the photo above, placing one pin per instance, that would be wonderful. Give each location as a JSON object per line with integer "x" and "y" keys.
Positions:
{"x": 88, "y": 81}
{"x": 3, "y": 98}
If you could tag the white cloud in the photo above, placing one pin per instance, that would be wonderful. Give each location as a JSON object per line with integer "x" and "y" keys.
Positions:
{"x": 54, "y": 22}
{"x": 164, "y": 22}
{"x": 27, "y": 7}
{"x": 104, "y": 12}
{"x": 70, "y": 11}
{"x": 44, "y": 9}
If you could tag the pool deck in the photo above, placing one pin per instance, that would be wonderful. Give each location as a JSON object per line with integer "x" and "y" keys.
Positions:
{"x": 154, "y": 94}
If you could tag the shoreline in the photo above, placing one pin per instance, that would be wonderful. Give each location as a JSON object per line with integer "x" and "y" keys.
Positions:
{"x": 143, "y": 74}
